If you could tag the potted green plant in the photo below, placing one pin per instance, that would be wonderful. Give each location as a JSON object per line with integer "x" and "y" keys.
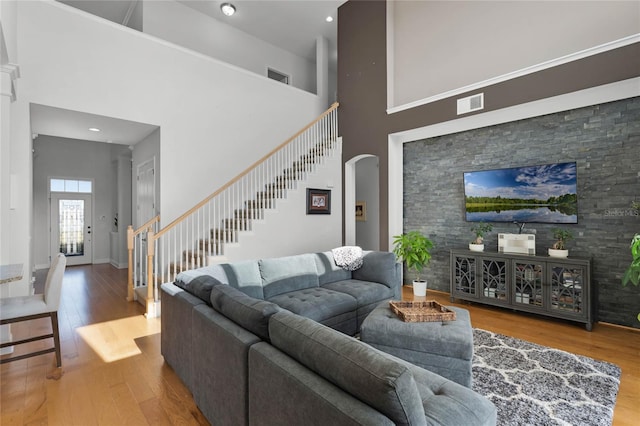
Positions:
{"x": 559, "y": 248}
{"x": 480, "y": 229}
{"x": 413, "y": 248}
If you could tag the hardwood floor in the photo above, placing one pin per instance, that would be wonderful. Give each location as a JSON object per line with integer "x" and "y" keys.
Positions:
{"x": 113, "y": 373}
{"x": 618, "y": 345}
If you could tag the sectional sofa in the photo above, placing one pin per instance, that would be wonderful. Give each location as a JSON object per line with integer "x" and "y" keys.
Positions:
{"x": 269, "y": 342}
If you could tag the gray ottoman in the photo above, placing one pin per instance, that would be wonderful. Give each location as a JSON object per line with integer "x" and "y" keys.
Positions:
{"x": 446, "y": 348}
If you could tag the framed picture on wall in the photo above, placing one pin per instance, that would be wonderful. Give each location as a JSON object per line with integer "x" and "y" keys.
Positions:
{"x": 361, "y": 211}
{"x": 318, "y": 201}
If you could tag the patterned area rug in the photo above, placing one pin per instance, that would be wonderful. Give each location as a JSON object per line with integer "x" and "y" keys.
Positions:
{"x": 536, "y": 385}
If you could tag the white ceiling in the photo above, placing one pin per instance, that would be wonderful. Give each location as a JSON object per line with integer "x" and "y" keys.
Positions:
{"x": 293, "y": 25}
{"x": 64, "y": 123}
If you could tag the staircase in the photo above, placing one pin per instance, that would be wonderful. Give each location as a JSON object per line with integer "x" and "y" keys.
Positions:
{"x": 199, "y": 236}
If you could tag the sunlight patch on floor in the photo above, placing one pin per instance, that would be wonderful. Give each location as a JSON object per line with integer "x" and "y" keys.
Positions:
{"x": 115, "y": 340}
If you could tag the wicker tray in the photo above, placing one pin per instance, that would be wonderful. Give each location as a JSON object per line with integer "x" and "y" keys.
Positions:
{"x": 429, "y": 310}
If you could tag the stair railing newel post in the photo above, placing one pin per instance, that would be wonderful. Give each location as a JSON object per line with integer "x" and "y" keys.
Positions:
{"x": 150, "y": 253}
{"x": 130, "y": 263}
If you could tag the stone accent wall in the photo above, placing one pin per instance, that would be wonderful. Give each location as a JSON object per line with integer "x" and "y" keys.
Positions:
{"x": 604, "y": 141}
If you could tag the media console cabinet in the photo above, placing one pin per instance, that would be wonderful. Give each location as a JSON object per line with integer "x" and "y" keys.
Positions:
{"x": 543, "y": 285}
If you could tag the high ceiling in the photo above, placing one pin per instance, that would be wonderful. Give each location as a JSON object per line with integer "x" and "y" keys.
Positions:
{"x": 292, "y": 25}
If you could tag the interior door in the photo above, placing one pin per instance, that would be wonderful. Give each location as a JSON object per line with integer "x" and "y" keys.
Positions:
{"x": 146, "y": 187}
{"x": 146, "y": 209}
{"x": 71, "y": 231}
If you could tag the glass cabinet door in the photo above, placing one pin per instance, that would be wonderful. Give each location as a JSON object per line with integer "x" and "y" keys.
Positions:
{"x": 465, "y": 274}
{"x": 528, "y": 279}
{"x": 566, "y": 288}
{"x": 494, "y": 279}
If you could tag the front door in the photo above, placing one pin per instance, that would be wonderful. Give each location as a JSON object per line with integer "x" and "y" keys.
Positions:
{"x": 71, "y": 232}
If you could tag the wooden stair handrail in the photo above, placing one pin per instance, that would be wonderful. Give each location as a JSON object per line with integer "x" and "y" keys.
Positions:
{"x": 238, "y": 177}
{"x": 146, "y": 225}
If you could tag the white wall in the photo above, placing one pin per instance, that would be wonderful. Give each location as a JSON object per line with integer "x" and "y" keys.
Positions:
{"x": 121, "y": 159}
{"x": 445, "y": 45}
{"x": 187, "y": 27}
{"x": 72, "y": 159}
{"x": 215, "y": 118}
{"x": 12, "y": 246}
{"x": 287, "y": 229}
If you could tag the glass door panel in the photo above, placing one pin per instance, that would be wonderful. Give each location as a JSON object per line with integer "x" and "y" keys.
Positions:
{"x": 528, "y": 279}
{"x": 465, "y": 273}
{"x": 566, "y": 288}
{"x": 494, "y": 279}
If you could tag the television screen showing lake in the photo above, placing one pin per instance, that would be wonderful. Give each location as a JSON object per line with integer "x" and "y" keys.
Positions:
{"x": 544, "y": 194}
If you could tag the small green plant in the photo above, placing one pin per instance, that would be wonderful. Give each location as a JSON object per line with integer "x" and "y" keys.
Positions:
{"x": 479, "y": 230}
{"x": 561, "y": 236}
{"x": 632, "y": 275}
{"x": 413, "y": 248}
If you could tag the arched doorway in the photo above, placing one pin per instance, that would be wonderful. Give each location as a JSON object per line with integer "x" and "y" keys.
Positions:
{"x": 362, "y": 225}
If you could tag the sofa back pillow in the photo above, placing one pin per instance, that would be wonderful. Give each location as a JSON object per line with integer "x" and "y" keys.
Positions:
{"x": 200, "y": 286}
{"x": 379, "y": 267}
{"x": 248, "y": 312}
{"x": 244, "y": 276}
{"x": 290, "y": 273}
{"x": 328, "y": 271}
{"x": 375, "y": 379}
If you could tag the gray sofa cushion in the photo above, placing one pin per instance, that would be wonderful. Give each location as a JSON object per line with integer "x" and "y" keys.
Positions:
{"x": 285, "y": 392}
{"x": 328, "y": 271}
{"x": 246, "y": 311}
{"x": 365, "y": 292}
{"x": 379, "y": 267}
{"x": 285, "y": 274}
{"x": 360, "y": 370}
{"x": 200, "y": 286}
{"x": 244, "y": 276}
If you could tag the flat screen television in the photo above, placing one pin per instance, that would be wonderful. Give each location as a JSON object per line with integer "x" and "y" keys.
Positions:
{"x": 542, "y": 194}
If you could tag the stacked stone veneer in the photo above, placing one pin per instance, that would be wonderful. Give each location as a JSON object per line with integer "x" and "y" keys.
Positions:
{"x": 604, "y": 141}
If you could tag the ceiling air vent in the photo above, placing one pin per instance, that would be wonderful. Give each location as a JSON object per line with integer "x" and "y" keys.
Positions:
{"x": 471, "y": 103}
{"x": 277, "y": 75}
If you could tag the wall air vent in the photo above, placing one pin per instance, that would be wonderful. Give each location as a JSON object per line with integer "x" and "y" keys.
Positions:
{"x": 471, "y": 103}
{"x": 278, "y": 76}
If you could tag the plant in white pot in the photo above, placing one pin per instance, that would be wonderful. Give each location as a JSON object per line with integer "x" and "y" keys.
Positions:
{"x": 559, "y": 248}
{"x": 479, "y": 230}
{"x": 413, "y": 248}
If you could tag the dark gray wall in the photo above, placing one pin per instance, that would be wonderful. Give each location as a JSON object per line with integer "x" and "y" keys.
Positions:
{"x": 362, "y": 89}
{"x": 602, "y": 139}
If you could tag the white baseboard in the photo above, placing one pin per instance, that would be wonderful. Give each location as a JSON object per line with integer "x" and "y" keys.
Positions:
{"x": 118, "y": 265}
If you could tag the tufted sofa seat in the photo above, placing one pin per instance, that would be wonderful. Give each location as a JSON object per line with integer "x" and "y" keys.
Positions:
{"x": 268, "y": 342}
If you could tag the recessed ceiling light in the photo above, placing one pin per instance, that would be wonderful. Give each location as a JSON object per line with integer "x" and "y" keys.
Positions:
{"x": 329, "y": 19}
{"x": 94, "y": 129}
{"x": 228, "y": 9}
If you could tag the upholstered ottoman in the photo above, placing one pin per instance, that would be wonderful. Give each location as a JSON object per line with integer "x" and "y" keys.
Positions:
{"x": 445, "y": 348}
